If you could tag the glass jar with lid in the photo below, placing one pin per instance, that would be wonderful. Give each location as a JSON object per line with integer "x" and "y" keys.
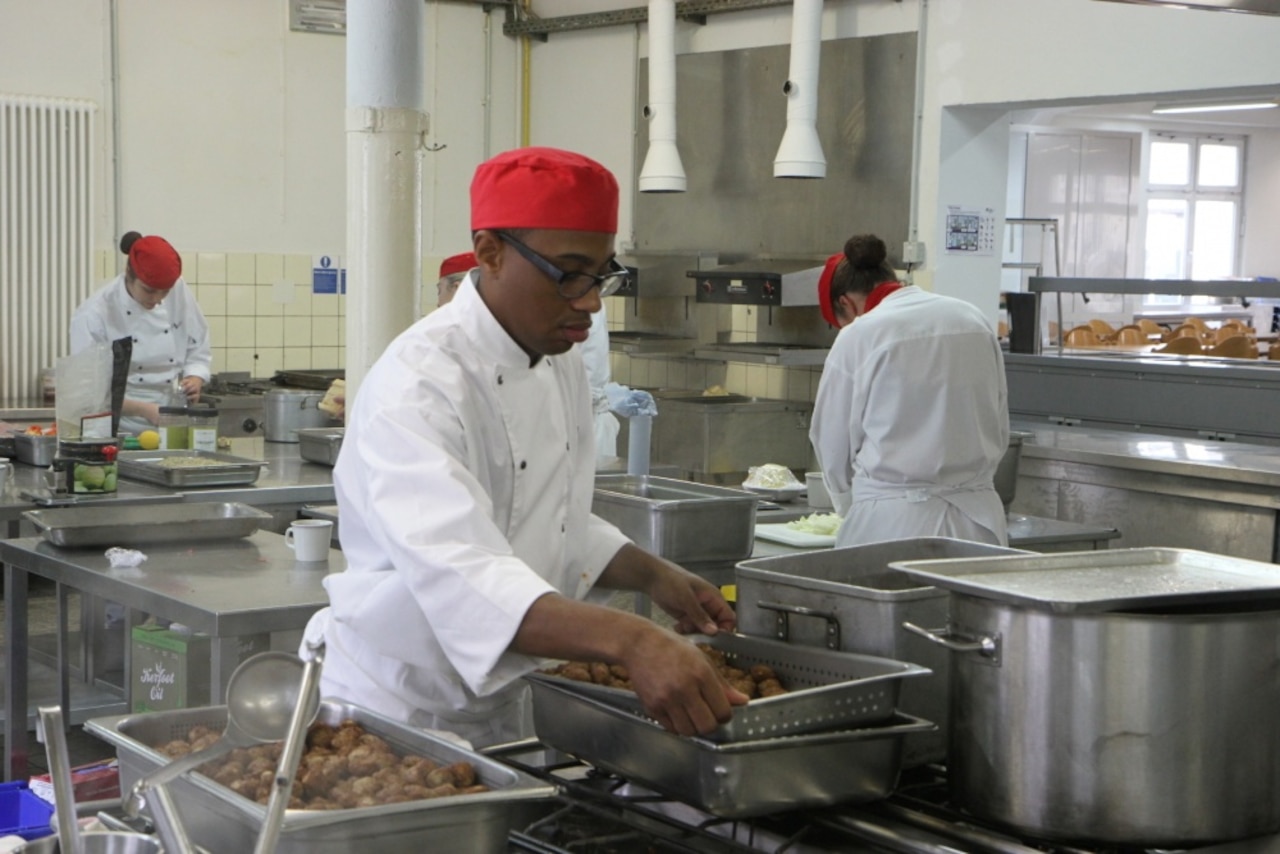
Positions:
{"x": 174, "y": 428}
{"x": 204, "y": 428}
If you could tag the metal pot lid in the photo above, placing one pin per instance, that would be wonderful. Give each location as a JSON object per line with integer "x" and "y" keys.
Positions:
{"x": 1106, "y": 580}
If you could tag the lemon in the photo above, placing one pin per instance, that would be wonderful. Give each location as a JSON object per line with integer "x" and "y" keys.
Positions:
{"x": 148, "y": 440}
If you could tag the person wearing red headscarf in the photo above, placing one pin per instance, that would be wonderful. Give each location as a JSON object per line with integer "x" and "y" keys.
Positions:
{"x": 150, "y": 303}
{"x": 466, "y": 480}
{"x": 912, "y": 416}
{"x": 452, "y": 271}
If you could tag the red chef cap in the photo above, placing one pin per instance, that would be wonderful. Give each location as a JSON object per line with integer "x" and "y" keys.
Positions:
{"x": 544, "y": 188}
{"x": 155, "y": 263}
{"x": 457, "y": 264}
{"x": 825, "y": 302}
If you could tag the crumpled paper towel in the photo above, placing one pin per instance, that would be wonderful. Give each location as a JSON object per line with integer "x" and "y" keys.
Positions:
{"x": 124, "y": 557}
{"x": 630, "y": 402}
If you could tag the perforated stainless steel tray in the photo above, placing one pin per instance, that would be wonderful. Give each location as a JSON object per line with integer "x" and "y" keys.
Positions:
{"x": 221, "y": 820}
{"x": 126, "y": 525}
{"x": 224, "y": 469}
{"x": 738, "y": 780}
{"x": 828, "y": 689}
{"x": 1108, "y": 580}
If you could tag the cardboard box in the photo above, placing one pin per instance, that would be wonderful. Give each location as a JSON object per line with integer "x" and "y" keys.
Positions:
{"x": 170, "y": 669}
{"x": 96, "y": 781}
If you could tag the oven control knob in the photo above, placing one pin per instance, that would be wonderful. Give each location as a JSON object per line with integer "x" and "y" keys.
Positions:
{"x": 768, "y": 289}
{"x": 707, "y": 287}
{"x": 249, "y": 426}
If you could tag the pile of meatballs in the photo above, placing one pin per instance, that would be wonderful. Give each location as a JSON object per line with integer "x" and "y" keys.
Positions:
{"x": 757, "y": 681}
{"x": 343, "y": 767}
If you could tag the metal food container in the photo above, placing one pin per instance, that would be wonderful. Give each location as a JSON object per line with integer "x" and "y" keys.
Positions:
{"x": 35, "y": 450}
{"x": 850, "y": 599}
{"x": 126, "y": 525}
{"x": 218, "y": 819}
{"x": 217, "y": 469}
{"x": 827, "y": 689}
{"x": 1006, "y": 476}
{"x": 681, "y": 521}
{"x": 718, "y": 438}
{"x": 738, "y": 780}
{"x": 320, "y": 444}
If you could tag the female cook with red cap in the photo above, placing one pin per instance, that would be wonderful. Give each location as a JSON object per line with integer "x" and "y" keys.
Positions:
{"x": 911, "y": 417}
{"x": 151, "y": 304}
{"x": 452, "y": 271}
{"x": 465, "y": 486}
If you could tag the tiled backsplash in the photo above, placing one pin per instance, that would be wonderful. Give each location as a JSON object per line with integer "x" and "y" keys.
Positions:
{"x": 263, "y": 318}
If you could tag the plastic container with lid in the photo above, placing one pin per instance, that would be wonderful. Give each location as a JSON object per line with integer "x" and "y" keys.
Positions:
{"x": 204, "y": 428}
{"x": 174, "y": 428}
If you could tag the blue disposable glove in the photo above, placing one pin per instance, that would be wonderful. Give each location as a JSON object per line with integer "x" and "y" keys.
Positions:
{"x": 629, "y": 402}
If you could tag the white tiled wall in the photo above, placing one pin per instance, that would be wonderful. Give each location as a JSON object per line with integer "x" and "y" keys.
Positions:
{"x": 262, "y": 314}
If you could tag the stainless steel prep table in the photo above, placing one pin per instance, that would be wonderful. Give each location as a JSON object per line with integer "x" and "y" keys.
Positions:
{"x": 223, "y": 588}
{"x": 1158, "y": 490}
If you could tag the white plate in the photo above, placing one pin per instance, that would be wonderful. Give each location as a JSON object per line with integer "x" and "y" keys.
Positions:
{"x": 786, "y": 493}
{"x": 780, "y": 533}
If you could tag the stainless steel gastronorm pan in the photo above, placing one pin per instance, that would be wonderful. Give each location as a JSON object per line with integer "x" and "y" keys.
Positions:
{"x": 738, "y": 780}
{"x": 828, "y": 689}
{"x": 320, "y": 444}
{"x": 220, "y": 820}
{"x": 679, "y": 520}
{"x": 223, "y": 469}
{"x": 124, "y": 525}
{"x": 35, "y": 450}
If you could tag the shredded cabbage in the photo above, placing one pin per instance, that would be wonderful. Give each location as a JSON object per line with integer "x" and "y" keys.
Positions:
{"x": 771, "y": 476}
{"x": 822, "y": 524}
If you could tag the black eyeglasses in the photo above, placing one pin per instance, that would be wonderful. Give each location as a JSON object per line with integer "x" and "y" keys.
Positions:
{"x": 572, "y": 285}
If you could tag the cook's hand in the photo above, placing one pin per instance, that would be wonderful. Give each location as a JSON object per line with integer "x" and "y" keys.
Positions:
{"x": 678, "y": 686}
{"x": 693, "y": 602}
{"x": 191, "y": 387}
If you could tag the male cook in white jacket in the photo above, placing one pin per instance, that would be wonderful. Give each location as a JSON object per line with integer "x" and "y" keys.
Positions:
{"x": 912, "y": 412}
{"x": 465, "y": 484}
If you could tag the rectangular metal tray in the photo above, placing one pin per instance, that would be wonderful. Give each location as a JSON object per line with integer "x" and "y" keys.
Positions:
{"x": 230, "y": 470}
{"x": 827, "y": 689}
{"x": 1100, "y": 581}
{"x": 679, "y": 520}
{"x": 738, "y": 780}
{"x": 35, "y": 450}
{"x": 128, "y": 525}
{"x": 850, "y": 599}
{"x": 221, "y": 820}
{"x": 320, "y": 444}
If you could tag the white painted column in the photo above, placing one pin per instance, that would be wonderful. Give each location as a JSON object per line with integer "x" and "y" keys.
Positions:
{"x": 386, "y": 49}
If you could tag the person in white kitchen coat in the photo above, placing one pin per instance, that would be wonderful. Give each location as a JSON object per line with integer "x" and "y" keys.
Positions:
{"x": 911, "y": 417}
{"x": 465, "y": 486}
{"x": 151, "y": 304}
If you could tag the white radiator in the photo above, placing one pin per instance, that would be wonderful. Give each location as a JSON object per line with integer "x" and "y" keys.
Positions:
{"x": 46, "y": 235}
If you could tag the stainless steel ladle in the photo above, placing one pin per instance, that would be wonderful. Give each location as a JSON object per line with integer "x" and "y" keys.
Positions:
{"x": 261, "y": 697}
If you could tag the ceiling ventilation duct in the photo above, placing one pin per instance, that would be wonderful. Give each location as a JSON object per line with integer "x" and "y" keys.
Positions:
{"x": 662, "y": 172}
{"x": 800, "y": 154}
{"x": 1256, "y": 7}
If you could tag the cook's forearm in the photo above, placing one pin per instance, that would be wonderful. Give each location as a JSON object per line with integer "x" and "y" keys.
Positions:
{"x": 632, "y": 568}
{"x": 558, "y": 627}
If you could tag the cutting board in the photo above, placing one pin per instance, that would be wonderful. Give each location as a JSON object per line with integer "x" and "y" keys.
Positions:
{"x": 790, "y": 537}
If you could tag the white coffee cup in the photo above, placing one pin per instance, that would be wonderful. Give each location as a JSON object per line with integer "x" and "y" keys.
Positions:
{"x": 309, "y": 539}
{"x": 6, "y": 469}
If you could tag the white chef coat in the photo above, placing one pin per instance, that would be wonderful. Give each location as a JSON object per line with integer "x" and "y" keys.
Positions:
{"x": 464, "y": 489}
{"x": 171, "y": 340}
{"x": 595, "y": 353}
{"x": 911, "y": 420}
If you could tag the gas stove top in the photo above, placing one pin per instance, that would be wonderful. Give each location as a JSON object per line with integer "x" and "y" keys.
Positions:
{"x": 598, "y": 813}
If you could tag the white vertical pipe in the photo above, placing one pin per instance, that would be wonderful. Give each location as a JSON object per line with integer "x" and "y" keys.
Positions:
{"x": 800, "y": 153}
{"x": 662, "y": 171}
{"x": 385, "y": 125}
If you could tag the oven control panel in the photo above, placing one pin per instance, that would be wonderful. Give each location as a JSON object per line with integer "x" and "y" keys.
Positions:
{"x": 737, "y": 288}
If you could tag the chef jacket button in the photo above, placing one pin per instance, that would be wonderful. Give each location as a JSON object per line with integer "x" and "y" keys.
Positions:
{"x": 562, "y": 529}
{"x": 566, "y": 446}
{"x": 523, "y": 465}
{"x": 135, "y": 341}
{"x": 499, "y": 379}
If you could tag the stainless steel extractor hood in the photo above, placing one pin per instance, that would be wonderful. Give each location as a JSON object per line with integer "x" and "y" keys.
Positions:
{"x": 1256, "y": 7}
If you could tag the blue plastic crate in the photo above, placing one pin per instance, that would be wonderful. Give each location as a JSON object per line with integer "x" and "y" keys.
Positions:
{"x": 23, "y": 813}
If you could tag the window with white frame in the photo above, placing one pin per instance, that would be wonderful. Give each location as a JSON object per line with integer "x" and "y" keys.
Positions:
{"x": 1194, "y": 197}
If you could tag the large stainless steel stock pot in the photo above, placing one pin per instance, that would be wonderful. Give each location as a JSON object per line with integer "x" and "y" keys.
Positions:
{"x": 1155, "y": 724}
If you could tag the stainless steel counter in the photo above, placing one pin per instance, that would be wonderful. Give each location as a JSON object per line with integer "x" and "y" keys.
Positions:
{"x": 222, "y": 588}
{"x": 1220, "y": 497}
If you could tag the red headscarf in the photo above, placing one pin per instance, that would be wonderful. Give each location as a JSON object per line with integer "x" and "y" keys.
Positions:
{"x": 156, "y": 264}
{"x": 457, "y": 264}
{"x": 544, "y": 188}
{"x": 825, "y": 301}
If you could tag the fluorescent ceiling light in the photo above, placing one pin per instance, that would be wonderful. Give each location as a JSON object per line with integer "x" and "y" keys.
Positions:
{"x": 1169, "y": 109}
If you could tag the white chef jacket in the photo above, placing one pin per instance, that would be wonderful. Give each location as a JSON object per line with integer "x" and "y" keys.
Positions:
{"x": 911, "y": 420}
{"x": 171, "y": 340}
{"x": 464, "y": 490}
{"x": 595, "y": 353}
